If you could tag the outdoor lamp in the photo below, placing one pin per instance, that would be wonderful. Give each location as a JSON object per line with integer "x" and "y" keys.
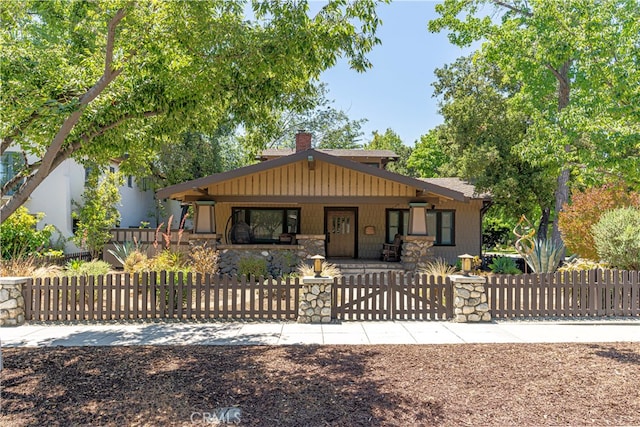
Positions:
{"x": 466, "y": 263}
{"x": 317, "y": 264}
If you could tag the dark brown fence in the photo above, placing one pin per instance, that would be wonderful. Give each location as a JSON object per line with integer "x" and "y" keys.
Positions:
{"x": 160, "y": 296}
{"x": 391, "y": 296}
{"x": 593, "y": 293}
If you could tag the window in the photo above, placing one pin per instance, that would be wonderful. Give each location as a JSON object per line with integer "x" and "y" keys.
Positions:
{"x": 112, "y": 169}
{"x": 267, "y": 224}
{"x": 397, "y": 222}
{"x": 442, "y": 224}
{"x": 11, "y": 163}
{"x": 130, "y": 181}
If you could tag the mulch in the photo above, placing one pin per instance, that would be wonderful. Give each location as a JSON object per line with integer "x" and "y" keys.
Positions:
{"x": 392, "y": 385}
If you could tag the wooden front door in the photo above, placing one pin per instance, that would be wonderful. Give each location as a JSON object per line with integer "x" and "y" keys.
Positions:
{"x": 342, "y": 230}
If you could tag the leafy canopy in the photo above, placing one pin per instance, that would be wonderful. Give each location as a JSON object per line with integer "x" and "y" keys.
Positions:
{"x": 97, "y": 80}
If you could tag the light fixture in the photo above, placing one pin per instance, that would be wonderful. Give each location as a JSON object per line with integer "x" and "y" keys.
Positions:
{"x": 317, "y": 264}
{"x": 466, "y": 264}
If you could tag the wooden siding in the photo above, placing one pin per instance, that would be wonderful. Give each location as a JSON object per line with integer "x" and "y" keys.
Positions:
{"x": 325, "y": 180}
{"x": 468, "y": 239}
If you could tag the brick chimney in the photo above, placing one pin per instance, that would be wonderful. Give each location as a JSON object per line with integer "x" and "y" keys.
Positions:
{"x": 303, "y": 141}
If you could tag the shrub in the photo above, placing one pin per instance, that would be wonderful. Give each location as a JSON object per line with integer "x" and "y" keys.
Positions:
{"x": 19, "y": 237}
{"x": 253, "y": 266}
{"x": 617, "y": 238}
{"x": 136, "y": 262}
{"x": 203, "y": 259}
{"x": 504, "y": 265}
{"x": 122, "y": 251}
{"x": 169, "y": 260}
{"x": 577, "y": 219}
{"x": 496, "y": 233}
{"x": 580, "y": 264}
{"x": 84, "y": 268}
{"x": 438, "y": 268}
{"x": 328, "y": 270}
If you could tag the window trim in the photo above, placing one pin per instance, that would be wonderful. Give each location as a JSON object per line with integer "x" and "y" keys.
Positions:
{"x": 401, "y": 226}
{"x": 438, "y": 235}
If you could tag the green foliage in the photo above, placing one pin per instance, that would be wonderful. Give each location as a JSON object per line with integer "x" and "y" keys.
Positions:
{"x": 585, "y": 210}
{"x": 98, "y": 213}
{"x": 569, "y": 64}
{"x": 169, "y": 260}
{"x": 390, "y": 140}
{"x": 497, "y": 230}
{"x": 504, "y": 265}
{"x": 84, "y": 268}
{"x": 253, "y": 266}
{"x": 95, "y": 80}
{"x": 136, "y": 262}
{"x": 19, "y": 236}
{"x": 430, "y": 157}
{"x": 122, "y": 251}
{"x": 580, "y": 264}
{"x": 545, "y": 256}
{"x": 617, "y": 238}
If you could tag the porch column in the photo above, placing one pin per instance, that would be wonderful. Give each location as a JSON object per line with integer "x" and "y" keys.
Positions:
{"x": 314, "y": 303}
{"x": 11, "y": 301}
{"x": 418, "y": 219}
{"x": 205, "y": 221}
{"x": 470, "y": 299}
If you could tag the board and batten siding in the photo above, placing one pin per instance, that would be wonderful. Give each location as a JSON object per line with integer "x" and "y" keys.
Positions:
{"x": 468, "y": 239}
{"x": 324, "y": 180}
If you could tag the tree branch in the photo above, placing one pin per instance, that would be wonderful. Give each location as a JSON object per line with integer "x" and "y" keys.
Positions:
{"x": 8, "y": 139}
{"x": 513, "y": 8}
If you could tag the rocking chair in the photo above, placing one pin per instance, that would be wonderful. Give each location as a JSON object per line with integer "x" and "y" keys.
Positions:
{"x": 391, "y": 251}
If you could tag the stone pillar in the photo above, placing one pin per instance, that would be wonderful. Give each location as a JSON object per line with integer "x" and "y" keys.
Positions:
{"x": 470, "y": 299}
{"x": 12, "y": 301}
{"x": 416, "y": 251}
{"x": 314, "y": 304}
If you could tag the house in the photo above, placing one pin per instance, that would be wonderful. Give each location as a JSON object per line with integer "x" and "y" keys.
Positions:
{"x": 336, "y": 203}
{"x": 65, "y": 185}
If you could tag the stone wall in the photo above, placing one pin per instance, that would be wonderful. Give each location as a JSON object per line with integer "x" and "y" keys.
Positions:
{"x": 11, "y": 301}
{"x": 416, "y": 252}
{"x": 279, "y": 259}
{"x": 314, "y": 304}
{"x": 311, "y": 245}
{"x": 470, "y": 299}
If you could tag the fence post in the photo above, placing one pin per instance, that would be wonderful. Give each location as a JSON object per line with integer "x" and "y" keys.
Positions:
{"x": 470, "y": 299}
{"x": 12, "y": 301}
{"x": 314, "y": 300}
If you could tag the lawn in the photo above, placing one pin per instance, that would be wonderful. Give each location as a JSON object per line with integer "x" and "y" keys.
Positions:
{"x": 508, "y": 384}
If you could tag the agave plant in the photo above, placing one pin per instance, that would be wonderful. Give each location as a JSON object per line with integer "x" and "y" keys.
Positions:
{"x": 122, "y": 251}
{"x": 544, "y": 256}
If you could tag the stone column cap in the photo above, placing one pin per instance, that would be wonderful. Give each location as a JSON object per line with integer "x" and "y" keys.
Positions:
{"x": 13, "y": 280}
{"x": 459, "y": 278}
{"x": 316, "y": 280}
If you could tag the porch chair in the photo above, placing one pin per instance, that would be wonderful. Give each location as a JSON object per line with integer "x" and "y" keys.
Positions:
{"x": 391, "y": 251}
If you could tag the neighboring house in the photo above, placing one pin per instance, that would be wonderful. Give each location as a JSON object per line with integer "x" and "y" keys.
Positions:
{"x": 65, "y": 184}
{"x": 338, "y": 203}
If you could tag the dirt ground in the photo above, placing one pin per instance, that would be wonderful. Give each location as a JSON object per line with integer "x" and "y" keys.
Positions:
{"x": 451, "y": 385}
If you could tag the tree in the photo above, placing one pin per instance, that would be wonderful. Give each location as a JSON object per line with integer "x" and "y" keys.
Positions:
{"x": 575, "y": 64}
{"x": 390, "y": 140}
{"x": 330, "y": 128}
{"x": 97, "y": 80}
{"x": 430, "y": 159}
{"x": 480, "y": 131}
{"x": 98, "y": 213}
{"x": 19, "y": 236}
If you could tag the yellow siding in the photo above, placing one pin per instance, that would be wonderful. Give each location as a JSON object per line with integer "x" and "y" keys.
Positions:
{"x": 325, "y": 180}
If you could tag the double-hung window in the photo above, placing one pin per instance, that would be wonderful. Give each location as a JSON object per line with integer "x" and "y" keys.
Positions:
{"x": 441, "y": 224}
{"x": 397, "y": 222}
{"x": 11, "y": 163}
{"x": 267, "y": 224}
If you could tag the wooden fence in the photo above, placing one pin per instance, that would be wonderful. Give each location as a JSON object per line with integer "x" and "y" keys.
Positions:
{"x": 160, "y": 296}
{"x": 593, "y": 293}
{"x": 392, "y": 296}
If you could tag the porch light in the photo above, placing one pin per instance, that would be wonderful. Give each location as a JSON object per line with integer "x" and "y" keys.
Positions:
{"x": 466, "y": 264}
{"x": 317, "y": 264}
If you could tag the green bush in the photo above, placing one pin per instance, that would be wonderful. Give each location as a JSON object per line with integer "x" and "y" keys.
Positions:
{"x": 253, "y": 266}
{"x": 19, "y": 236}
{"x": 84, "y": 268}
{"x": 504, "y": 265}
{"x": 169, "y": 260}
{"x": 617, "y": 238}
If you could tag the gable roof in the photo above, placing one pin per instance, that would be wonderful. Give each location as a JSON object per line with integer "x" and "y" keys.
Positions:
{"x": 422, "y": 185}
{"x": 460, "y": 185}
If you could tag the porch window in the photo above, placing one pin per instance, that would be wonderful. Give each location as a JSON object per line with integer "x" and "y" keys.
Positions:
{"x": 397, "y": 222}
{"x": 441, "y": 224}
{"x": 268, "y": 224}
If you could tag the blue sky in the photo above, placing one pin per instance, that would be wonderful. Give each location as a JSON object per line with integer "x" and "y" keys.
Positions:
{"x": 396, "y": 93}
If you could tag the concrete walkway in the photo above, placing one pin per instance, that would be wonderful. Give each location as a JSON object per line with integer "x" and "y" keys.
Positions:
{"x": 267, "y": 333}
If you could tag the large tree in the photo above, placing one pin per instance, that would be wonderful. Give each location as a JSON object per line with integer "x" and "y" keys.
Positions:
{"x": 389, "y": 140}
{"x": 96, "y": 80}
{"x": 576, "y": 63}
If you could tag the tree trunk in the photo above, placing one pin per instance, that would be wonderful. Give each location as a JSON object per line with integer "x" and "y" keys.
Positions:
{"x": 543, "y": 227}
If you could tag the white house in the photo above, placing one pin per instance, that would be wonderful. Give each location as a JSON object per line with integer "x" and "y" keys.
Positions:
{"x": 66, "y": 184}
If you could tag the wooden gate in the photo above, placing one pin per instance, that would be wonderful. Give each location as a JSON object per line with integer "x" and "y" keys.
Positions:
{"x": 392, "y": 296}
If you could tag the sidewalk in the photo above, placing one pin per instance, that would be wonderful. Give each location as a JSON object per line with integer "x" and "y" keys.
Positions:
{"x": 272, "y": 333}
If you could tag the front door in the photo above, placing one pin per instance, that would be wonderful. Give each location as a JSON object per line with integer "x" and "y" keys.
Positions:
{"x": 342, "y": 230}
